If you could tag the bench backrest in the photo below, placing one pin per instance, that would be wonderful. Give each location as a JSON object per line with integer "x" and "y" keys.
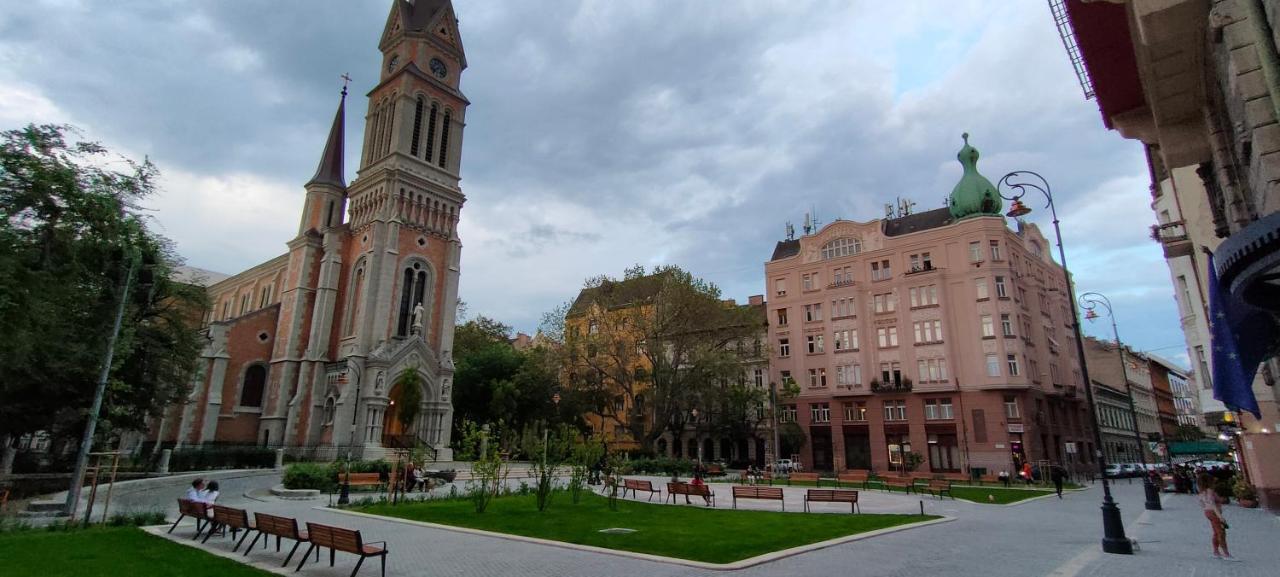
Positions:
{"x": 897, "y": 481}
{"x": 335, "y": 537}
{"x": 364, "y": 478}
{"x": 192, "y": 508}
{"x": 286, "y": 527}
{"x": 837, "y": 495}
{"x": 741, "y": 492}
{"x": 940, "y": 484}
{"x": 853, "y": 476}
{"x": 231, "y": 517}
{"x": 702, "y": 490}
{"x": 804, "y": 476}
{"x": 677, "y": 488}
{"x": 641, "y": 484}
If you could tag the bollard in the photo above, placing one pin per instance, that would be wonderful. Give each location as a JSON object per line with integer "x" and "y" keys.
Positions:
{"x": 163, "y": 467}
{"x": 922, "y": 507}
{"x": 279, "y": 459}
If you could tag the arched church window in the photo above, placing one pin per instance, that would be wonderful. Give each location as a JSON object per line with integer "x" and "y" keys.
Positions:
{"x": 413, "y": 291}
{"x": 444, "y": 140}
{"x": 431, "y": 132}
{"x": 356, "y": 292}
{"x": 329, "y": 408}
{"x": 839, "y": 247}
{"x": 417, "y": 127}
{"x": 391, "y": 114}
{"x": 255, "y": 381}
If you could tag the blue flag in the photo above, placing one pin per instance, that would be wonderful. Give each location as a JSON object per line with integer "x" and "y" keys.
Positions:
{"x": 1241, "y": 336}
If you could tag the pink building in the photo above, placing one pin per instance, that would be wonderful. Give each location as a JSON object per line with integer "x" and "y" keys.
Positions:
{"x": 942, "y": 333}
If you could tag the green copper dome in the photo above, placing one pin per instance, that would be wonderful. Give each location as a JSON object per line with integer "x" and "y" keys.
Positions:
{"x": 974, "y": 195}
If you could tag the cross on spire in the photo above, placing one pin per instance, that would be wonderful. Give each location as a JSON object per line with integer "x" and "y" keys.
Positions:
{"x": 346, "y": 79}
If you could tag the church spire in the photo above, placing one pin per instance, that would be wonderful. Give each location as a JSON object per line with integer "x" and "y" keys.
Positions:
{"x": 330, "y": 169}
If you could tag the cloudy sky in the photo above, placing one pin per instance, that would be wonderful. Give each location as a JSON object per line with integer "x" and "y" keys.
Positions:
{"x": 605, "y": 133}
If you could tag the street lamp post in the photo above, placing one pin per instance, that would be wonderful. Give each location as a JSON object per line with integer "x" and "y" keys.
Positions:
{"x": 1113, "y": 537}
{"x": 696, "y": 440}
{"x": 1089, "y": 302}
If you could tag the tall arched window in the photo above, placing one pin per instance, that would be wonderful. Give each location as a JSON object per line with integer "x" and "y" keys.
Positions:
{"x": 841, "y": 247}
{"x": 413, "y": 290}
{"x": 431, "y": 132}
{"x": 391, "y": 115}
{"x": 356, "y": 292}
{"x": 417, "y": 127}
{"x": 255, "y": 382}
{"x": 444, "y": 140}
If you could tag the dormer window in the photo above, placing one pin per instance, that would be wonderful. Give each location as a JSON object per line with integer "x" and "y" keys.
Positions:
{"x": 839, "y": 247}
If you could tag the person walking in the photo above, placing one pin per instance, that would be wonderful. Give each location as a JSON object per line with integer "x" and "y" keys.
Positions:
{"x": 1059, "y": 476}
{"x": 1026, "y": 473}
{"x": 1212, "y": 506}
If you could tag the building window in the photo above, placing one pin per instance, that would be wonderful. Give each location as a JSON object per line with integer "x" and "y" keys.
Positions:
{"x": 330, "y": 406}
{"x": 1185, "y": 303}
{"x": 887, "y": 336}
{"x": 444, "y": 140}
{"x": 1011, "y": 407}
{"x": 814, "y": 343}
{"x": 842, "y": 308}
{"x": 993, "y": 366}
{"x": 988, "y": 326}
{"x": 932, "y": 370}
{"x": 849, "y": 376}
{"x": 784, "y": 347}
{"x": 924, "y": 296}
{"x": 813, "y": 312}
{"x": 820, "y": 413}
{"x": 891, "y": 373}
{"x": 841, "y": 247}
{"x": 809, "y": 281}
{"x": 1000, "y": 288}
{"x": 980, "y": 285}
{"x": 855, "y": 411}
{"x": 413, "y": 291}
{"x": 431, "y": 132}
{"x": 975, "y": 251}
{"x": 995, "y": 250}
{"x": 884, "y": 302}
{"x": 928, "y": 331}
{"x": 895, "y": 410}
{"x": 842, "y": 276}
{"x": 782, "y": 317}
{"x": 780, "y": 287}
{"x": 417, "y": 128}
{"x": 1013, "y": 365}
{"x": 1206, "y": 379}
{"x": 938, "y": 409}
{"x": 1006, "y": 325}
{"x": 920, "y": 262}
{"x": 880, "y": 270}
{"x": 846, "y": 340}
{"x": 787, "y": 414}
{"x": 255, "y": 381}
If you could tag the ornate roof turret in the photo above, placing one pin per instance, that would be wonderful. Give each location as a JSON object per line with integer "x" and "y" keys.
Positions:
{"x": 330, "y": 169}
{"x": 974, "y": 195}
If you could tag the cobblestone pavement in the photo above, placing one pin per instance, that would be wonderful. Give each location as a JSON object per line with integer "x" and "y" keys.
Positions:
{"x": 1041, "y": 537}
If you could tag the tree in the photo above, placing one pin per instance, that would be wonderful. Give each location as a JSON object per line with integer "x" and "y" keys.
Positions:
{"x": 478, "y": 334}
{"x": 646, "y": 350}
{"x": 69, "y": 229}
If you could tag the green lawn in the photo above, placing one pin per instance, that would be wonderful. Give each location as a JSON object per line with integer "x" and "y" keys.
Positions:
{"x": 687, "y": 532}
{"x": 999, "y": 495}
{"x": 108, "y": 551}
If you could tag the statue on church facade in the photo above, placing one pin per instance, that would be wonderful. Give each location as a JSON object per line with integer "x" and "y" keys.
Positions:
{"x": 417, "y": 320}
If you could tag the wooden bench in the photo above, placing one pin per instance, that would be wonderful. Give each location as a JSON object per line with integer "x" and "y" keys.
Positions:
{"x": 231, "y": 518}
{"x": 687, "y": 490}
{"x": 345, "y": 540}
{"x": 766, "y": 493}
{"x": 938, "y": 487}
{"x": 194, "y": 509}
{"x": 715, "y": 470}
{"x": 634, "y": 485}
{"x": 281, "y": 528}
{"x": 853, "y": 477}
{"x": 804, "y": 477}
{"x": 832, "y": 496}
{"x": 906, "y": 484}
{"x": 363, "y": 480}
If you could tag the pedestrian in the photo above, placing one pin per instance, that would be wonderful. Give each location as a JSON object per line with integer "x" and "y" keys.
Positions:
{"x": 1212, "y": 506}
{"x": 1058, "y": 475}
{"x": 1026, "y": 472}
{"x": 196, "y": 491}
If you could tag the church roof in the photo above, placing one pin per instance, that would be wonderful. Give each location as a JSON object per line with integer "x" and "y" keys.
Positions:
{"x": 418, "y": 14}
{"x": 330, "y": 169}
{"x": 786, "y": 248}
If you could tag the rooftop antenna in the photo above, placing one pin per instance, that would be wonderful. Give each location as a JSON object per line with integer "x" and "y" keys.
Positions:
{"x": 888, "y": 210}
{"x": 808, "y": 224}
{"x": 791, "y": 231}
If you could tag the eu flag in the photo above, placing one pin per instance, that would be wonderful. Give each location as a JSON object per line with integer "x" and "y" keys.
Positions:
{"x": 1241, "y": 335}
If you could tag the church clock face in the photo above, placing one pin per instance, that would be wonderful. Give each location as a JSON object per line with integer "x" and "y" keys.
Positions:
{"x": 391, "y": 64}
{"x": 438, "y": 68}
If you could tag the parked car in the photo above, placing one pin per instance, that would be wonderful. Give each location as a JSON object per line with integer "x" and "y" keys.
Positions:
{"x": 783, "y": 466}
{"x": 1115, "y": 471}
{"x": 1133, "y": 470}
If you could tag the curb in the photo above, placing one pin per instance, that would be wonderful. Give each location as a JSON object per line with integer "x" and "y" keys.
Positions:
{"x": 741, "y": 564}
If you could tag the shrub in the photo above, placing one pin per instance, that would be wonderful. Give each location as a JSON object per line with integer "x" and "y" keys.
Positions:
{"x": 1245, "y": 491}
{"x": 659, "y": 466}
{"x": 311, "y": 476}
{"x": 222, "y": 458}
{"x": 137, "y": 519}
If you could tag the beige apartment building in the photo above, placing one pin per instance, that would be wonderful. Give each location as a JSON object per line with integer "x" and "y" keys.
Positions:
{"x": 944, "y": 333}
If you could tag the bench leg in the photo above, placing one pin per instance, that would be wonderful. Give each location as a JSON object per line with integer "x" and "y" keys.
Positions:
{"x": 241, "y": 541}
{"x": 213, "y": 528}
{"x": 333, "y": 552}
{"x": 304, "y": 557}
{"x": 253, "y": 542}
{"x": 175, "y": 523}
{"x": 383, "y": 558}
{"x": 291, "y": 552}
{"x": 806, "y": 505}
{"x": 277, "y": 545}
{"x": 735, "y": 502}
{"x": 358, "y": 564}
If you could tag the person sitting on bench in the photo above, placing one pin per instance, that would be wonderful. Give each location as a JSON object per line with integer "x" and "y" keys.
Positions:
{"x": 196, "y": 491}
{"x": 698, "y": 482}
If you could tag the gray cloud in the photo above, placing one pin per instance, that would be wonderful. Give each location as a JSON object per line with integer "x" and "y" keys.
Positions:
{"x": 607, "y": 133}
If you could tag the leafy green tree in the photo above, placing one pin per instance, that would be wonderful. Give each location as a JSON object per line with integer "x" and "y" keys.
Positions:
{"x": 70, "y": 227}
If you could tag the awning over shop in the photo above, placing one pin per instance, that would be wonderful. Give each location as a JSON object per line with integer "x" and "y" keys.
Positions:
{"x": 1197, "y": 448}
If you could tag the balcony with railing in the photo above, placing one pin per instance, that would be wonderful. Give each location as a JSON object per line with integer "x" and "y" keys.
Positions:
{"x": 1172, "y": 236}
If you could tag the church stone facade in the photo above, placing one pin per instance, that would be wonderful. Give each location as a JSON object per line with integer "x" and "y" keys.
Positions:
{"x": 311, "y": 350}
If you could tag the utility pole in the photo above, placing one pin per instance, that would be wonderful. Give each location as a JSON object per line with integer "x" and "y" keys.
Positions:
{"x": 86, "y": 442}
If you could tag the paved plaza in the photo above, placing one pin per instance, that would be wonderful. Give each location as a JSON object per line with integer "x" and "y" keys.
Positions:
{"x": 1038, "y": 537}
